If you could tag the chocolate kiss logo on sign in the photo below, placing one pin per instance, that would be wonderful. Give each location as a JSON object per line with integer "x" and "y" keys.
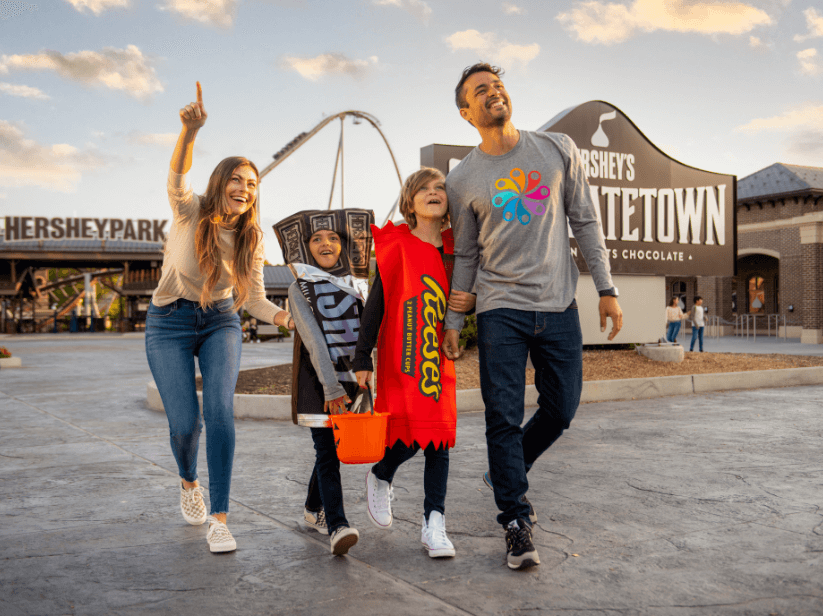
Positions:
{"x": 658, "y": 215}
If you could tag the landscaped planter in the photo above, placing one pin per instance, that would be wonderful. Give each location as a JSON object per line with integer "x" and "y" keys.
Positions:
{"x": 10, "y": 362}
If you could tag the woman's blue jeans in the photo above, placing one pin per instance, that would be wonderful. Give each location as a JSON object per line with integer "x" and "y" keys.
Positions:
{"x": 672, "y": 331}
{"x": 506, "y": 338}
{"x": 175, "y": 335}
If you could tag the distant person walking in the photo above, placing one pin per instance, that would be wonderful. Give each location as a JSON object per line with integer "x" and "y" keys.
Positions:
{"x": 697, "y": 317}
{"x": 512, "y": 200}
{"x": 214, "y": 249}
{"x": 674, "y": 318}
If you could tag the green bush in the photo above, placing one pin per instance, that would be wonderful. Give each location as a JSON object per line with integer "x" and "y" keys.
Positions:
{"x": 468, "y": 337}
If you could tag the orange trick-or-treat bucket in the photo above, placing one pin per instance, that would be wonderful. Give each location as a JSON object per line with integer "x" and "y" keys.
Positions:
{"x": 360, "y": 437}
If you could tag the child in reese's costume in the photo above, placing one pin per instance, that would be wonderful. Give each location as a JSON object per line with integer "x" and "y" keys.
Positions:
{"x": 327, "y": 252}
{"x": 415, "y": 382}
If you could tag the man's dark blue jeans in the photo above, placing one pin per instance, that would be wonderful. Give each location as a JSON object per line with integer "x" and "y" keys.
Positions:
{"x": 506, "y": 337}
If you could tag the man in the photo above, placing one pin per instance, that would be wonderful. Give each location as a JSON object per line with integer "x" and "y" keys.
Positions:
{"x": 510, "y": 200}
{"x": 698, "y": 322}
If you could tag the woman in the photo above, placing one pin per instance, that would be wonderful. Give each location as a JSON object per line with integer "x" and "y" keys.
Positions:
{"x": 674, "y": 316}
{"x": 214, "y": 249}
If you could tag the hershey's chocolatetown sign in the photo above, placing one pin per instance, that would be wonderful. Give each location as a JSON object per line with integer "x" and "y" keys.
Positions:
{"x": 39, "y": 228}
{"x": 658, "y": 216}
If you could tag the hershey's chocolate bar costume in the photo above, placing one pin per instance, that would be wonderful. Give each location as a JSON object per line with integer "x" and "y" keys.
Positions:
{"x": 337, "y": 312}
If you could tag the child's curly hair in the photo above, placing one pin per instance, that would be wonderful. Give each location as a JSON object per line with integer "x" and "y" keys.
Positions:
{"x": 413, "y": 183}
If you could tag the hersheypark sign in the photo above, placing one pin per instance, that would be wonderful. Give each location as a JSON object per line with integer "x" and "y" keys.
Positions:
{"x": 40, "y": 228}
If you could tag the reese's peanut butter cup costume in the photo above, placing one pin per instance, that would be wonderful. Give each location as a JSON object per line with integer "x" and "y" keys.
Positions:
{"x": 335, "y": 296}
{"x": 415, "y": 382}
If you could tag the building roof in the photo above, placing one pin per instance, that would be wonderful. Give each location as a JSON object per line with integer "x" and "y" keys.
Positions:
{"x": 780, "y": 179}
{"x": 80, "y": 245}
{"x": 277, "y": 277}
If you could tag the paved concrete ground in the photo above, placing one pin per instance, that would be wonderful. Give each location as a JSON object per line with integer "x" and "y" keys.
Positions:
{"x": 683, "y": 505}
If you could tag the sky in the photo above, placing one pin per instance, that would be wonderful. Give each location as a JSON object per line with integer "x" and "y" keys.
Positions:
{"x": 90, "y": 90}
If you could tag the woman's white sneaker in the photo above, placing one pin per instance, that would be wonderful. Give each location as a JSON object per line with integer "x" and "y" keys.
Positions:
{"x": 219, "y": 537}
{"x": 434, "y": 536}
{"x": 192, "y": 505}
{"x": 379, "y": 495}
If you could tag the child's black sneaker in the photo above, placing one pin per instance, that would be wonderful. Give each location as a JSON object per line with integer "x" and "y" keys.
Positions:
{"x": 520, "y": 551}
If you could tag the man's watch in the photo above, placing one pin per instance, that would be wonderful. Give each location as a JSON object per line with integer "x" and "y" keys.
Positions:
{"x": 609, "y": 292}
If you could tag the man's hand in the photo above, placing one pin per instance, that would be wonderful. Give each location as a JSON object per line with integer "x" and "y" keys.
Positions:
{"x": 451, "y": 344}
{"x": 363, "y": 378}
{"x": 460, "y": 301}
{"x": 338, "y": 405}
{"x": 610, "y": 308}
{"x": 193, "y": 115}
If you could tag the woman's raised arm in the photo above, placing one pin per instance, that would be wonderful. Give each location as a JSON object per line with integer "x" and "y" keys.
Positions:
{"x": 193, "y": 116}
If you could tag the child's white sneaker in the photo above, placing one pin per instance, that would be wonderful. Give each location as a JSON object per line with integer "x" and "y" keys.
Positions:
{"x": 434, "y": 536}
{"x": 379, "y": 495}
{"x": 219, "y": 537}
{"x": 343, "y": 539}
{"x": 192, "y": 505}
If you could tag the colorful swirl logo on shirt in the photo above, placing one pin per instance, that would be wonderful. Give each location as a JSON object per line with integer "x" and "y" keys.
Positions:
{"x": 516, "y": 193}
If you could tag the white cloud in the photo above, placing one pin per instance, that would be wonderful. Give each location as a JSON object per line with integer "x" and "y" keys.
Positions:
{"x": 219, "y": 13}
{"x": 805, "y": 116}
{"x": 116, "y": 69}
{"x": 755, "y": 42}
{"x": 814, "y": 21}
{"x": 803, "y": 127}
{"x": 23, "y": 162}
{"x": 418, "y": 8}
{"x": 22, "y": 91}
{"x": 513, "y": 9}
{"x": 329, "y": 64}
{"x": 489, "y": 45}
{"x": 809, "y": 62}
{"x": 164, "y": 140}
{"x": 593, "y": 21}
{"x": 11, "y": 8}
{"x": 98, "y": 6}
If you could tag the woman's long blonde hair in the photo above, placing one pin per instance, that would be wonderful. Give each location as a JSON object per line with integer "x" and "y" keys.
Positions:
{"x": 207, "y": 237}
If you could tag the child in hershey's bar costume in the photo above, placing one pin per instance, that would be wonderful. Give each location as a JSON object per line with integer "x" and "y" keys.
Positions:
{"x": 328, "y": 252}
{"x": 415, "y": 382}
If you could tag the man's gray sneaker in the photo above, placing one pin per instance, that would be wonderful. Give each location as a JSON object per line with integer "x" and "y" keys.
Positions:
{"x": 532, "y": 515}
{"x": 520, "y": 550}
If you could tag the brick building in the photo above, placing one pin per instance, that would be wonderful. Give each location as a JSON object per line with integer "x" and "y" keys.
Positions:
{"x": 779, "y": 254}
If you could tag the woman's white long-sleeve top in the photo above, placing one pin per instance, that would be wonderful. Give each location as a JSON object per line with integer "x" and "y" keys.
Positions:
{"x": 181, "y": 276}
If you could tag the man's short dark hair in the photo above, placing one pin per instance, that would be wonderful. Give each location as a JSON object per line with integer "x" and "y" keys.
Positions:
{"x": 697, "y": 298}
{"x": 480, "y": 67}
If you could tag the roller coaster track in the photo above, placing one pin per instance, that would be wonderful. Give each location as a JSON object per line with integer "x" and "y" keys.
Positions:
{"x": 292, "y": 146}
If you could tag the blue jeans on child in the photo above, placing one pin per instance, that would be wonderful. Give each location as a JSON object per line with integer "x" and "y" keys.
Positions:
{"x": 327, "y": 474}
{"x": 672, "y": 330}
{"x": 506, "y": 337}
{"x": 697, "y": 332}
{"x": 435, "y": 472}
{"x": 175, "y": 334}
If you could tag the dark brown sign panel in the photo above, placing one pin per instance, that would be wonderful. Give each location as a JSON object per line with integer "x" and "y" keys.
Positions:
{"x": 39, "y": 228}
{"x": 658, "y": 216}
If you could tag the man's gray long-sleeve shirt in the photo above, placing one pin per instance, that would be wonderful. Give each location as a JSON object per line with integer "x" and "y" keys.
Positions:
{"x": 509, "y": 215}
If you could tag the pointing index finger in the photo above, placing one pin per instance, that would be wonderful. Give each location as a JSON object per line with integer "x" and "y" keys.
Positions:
{"x": 199, "y": 93}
